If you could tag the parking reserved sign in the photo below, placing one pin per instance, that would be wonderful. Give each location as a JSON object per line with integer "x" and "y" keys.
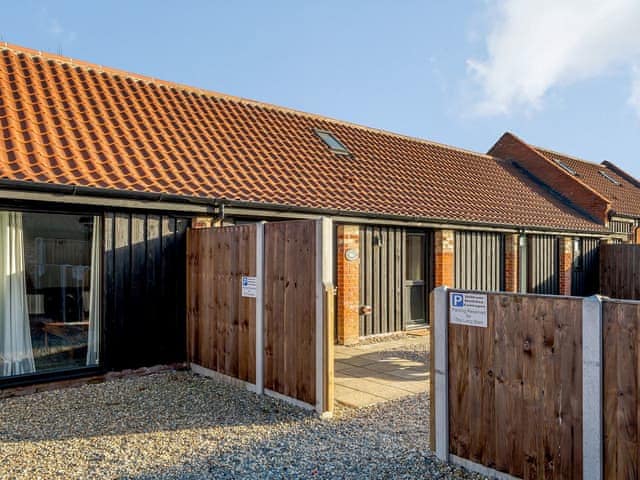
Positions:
{"x": 468, "y": 309}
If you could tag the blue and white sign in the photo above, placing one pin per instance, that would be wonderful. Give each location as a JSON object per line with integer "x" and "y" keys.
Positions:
{"x": 249, "y": 287}
{"x": 468, "y": 309}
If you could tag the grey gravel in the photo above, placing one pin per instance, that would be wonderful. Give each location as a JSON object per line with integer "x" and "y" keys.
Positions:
{"x": 181, "y": 426}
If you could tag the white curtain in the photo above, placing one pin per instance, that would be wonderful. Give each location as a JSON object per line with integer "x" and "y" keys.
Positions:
{"x": 16, "y": 354}
{"x": 93, "y": 345}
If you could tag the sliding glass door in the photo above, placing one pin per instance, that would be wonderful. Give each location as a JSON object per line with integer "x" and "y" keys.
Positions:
{"x": 49, "y": 292}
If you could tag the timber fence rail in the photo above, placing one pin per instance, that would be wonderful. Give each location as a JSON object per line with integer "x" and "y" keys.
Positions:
{"x": 535, "y": 386}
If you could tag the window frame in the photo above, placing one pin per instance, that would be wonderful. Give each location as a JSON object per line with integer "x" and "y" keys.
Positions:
{"x": 323, "y": 135}
{"x": 77, "y": 372}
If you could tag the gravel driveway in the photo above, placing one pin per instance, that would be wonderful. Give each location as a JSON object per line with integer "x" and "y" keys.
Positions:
{"x": 178, "y": 425}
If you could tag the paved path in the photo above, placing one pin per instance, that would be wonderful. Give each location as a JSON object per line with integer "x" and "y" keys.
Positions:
{"x": 378, "y": 372}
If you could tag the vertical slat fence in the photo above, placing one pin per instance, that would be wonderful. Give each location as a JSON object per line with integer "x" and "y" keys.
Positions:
{"x": 620, "y": 271}
{"x": 221, "y": 321}
{"x": 621, "y": 389}
{"x": 515, "y": 387}
{"x": 290, "y": 309}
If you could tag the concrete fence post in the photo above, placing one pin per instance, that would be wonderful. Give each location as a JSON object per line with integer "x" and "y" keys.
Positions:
{"x": 440, "y": 352}
{"x": 592, "y": 389}
{"x": 324, "y": 276}
{"x": 260, "y": 308}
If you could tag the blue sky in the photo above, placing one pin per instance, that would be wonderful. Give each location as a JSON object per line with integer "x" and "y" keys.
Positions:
{"x": 459, "y": 73}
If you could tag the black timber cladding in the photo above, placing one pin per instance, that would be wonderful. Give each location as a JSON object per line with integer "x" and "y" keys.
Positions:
{"x": 144, "y": 292}
{"x": 479, "y": 261}
{"x": 382, "y": 277}
{"x": 543, "y": 265}
{"x": 585, "y": 274}
{"x": 621, "y": 227}
{"x": 618, "y": 226}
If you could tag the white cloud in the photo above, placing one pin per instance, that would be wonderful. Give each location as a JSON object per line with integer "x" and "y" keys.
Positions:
{"x": 55, "y": 28}
{"x": 634, "y": 98}
{"x": 535, "y": 45}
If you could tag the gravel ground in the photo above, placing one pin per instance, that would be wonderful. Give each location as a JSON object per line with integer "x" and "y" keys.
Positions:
{"x": 178, "y": 425}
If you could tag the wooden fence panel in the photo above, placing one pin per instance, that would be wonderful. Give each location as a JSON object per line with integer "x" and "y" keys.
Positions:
{"x": 222, "y": 323}
{"x": 515, "y": 387}
{"x": 621, "y": 417}
{"x": 620, "y": 271}
{"x": 290, "y": 309}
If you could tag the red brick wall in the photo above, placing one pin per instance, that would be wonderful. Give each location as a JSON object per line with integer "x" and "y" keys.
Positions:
{"x": 566, "y": 261}
{"x": 348, "y": 282}
{"x": 511, "y": 256}
{"x": 444, "y": 267}
{"x": 510, "y": 147}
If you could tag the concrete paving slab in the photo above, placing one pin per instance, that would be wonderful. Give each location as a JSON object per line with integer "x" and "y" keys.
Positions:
{"x": 355, "y": 398}
{"x": 409, "y": 374}
{"x": 339, "y": 366}
{"x": 359, "y": 361}
{"x": 352, "y": 372}
{"x": 378, "y": 372}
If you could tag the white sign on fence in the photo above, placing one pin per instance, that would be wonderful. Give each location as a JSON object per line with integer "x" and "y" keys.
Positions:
{"x": 468, "y": 309}
{"x": 249, "y": 287}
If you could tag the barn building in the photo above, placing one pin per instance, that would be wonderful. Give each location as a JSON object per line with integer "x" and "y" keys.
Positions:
{"x": 102, "y": 172}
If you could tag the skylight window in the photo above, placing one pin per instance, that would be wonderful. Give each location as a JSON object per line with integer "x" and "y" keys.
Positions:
{"x": 567, "y": 168}
{"x": 609, "y": 177}
{"x": 332, "y": 142}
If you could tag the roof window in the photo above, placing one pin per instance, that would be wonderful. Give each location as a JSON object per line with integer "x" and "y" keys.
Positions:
{"x": 567, "y": 168}
{"x": 609, "y": 177}
{"x": 332, "y": 142}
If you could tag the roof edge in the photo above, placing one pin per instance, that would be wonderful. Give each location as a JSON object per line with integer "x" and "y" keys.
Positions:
{"x": 84, "y": 191}
{"x": 627, "y": 176}
{"x": 511, "y": 147}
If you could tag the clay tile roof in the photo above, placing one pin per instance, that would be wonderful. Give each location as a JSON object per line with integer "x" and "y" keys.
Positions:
{"x": 75, "y": 123}
{"x": 624, "y": 197}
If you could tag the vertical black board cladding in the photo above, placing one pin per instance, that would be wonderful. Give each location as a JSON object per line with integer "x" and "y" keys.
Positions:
{"x": 108, "y": 243}
{"x": 385, "y": 275}
{"x": 168, "y": 247}
{"x": 585, "y": 275}
{"x": 145, "y": 290}
{"x": 376, "y": 250}
{"x": 153, "y": 279}
{"x": 543, "y": 265}
{"x": 139, "y": 299}
{"x": 179, "y": 339}
{"x": 479, "y": 261}
{"x": 382, "y": 273}
{"x": 398, "y": 311}
{"x": 118, "y": 328}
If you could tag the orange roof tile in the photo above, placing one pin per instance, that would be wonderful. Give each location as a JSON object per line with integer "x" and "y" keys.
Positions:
{"x": 74, "y": 123}
{"x": 624, "y": 198}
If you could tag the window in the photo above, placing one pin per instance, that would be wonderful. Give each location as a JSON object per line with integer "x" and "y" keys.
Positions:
{"x": 415, "y": 295}
{"x": 609, "y": 177}
{"x": 414, "y": 266}
{"x": 332, "y": 142}
{"x": 578, "y": 258}
{"x": 50, "y": 292}
{"x": 567, "y": 168}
